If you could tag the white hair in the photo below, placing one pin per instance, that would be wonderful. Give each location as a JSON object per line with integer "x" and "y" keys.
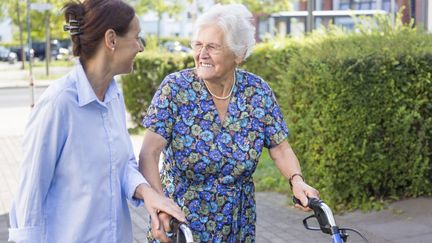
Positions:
{"x": 235, "y": 20}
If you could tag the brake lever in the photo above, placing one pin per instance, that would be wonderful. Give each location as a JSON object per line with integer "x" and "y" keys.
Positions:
{"x": 321, "y": 212}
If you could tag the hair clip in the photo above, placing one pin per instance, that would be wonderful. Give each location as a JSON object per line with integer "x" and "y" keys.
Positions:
{"x": 73, "y": 27}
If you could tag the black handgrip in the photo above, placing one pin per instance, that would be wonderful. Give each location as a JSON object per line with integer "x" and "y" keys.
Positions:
{"x": 174, "y": 224}
{"x": 297, "y": 201}
{"x": 312, "y": 202}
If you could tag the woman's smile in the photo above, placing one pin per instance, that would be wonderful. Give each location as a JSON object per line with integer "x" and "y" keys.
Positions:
{"x": 206, "y": 65}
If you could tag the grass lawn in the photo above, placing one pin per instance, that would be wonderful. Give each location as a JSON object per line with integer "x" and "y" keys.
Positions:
{"x": 268, "y": 178}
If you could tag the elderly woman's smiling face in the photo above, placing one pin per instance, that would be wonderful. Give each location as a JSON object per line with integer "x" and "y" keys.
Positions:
{"x": 214, "y": 61}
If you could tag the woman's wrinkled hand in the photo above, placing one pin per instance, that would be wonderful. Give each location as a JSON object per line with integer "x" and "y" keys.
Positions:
{"x": 303, "y": 191}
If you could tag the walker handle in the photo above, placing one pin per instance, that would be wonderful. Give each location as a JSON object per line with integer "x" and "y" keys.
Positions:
{"x": 181, "y": 232}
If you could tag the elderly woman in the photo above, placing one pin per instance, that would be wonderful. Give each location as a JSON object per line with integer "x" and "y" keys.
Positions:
{"x": 212, "y": 123}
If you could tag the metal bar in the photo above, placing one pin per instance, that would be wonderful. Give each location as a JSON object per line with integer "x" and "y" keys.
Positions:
{"x": 310, "y": 17}
{"x": 31, "y": 82}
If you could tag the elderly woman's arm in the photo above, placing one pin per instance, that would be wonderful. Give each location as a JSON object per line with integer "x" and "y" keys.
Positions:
{"x": 151, "y": 150}
{"x": 287, "y": 163}
{"x": 149, "y": 156}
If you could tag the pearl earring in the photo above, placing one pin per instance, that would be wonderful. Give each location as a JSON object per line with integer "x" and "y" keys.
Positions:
{"x": 112, "y": 48}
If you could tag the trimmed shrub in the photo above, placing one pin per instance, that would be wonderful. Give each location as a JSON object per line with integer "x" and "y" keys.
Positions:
{"x": 149, "y": 71}
{"x": 359, "y": 111}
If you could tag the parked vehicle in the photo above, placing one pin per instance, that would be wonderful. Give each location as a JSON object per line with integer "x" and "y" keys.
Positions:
{"x": 6, "y": 55}
{"x": 64, "y": 50}
{"x": 39, "y": 49}
{"x": 56, "y": 48}
{"x": 18, "y": 52}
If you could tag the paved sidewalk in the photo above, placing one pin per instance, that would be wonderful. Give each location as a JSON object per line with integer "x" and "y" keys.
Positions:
{"x": 16, "y": 77}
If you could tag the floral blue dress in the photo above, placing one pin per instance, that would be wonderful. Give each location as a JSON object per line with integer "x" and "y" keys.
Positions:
{"x": 208, "y": 163}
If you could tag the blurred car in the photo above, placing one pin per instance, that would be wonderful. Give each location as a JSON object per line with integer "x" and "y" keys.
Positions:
{"x": 39, "y": 49}
{"x": 63, "y": 54}
{"x": 6, "y": 55}
{"x": 62, "y": 49}
{"x": 175, "y": 46}
{"x": 57, "y": 50}
{"x": 28, "y": 53}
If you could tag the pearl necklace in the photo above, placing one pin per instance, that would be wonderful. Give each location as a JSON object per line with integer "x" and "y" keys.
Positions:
{"x": 224, "y": 97}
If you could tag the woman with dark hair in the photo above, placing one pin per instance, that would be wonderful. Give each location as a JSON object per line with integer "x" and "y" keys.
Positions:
{"x": 79, "y": 169}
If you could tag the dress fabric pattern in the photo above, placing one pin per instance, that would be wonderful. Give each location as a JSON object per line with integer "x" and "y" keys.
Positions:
{"x": 208, "y": 163}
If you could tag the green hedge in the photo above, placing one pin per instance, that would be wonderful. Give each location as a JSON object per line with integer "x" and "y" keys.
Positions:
{"x": 150, "y": 69}
{"x": 359, "y": 109}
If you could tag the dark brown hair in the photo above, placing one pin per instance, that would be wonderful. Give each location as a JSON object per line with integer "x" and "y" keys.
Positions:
{"x": 94, "y": 18}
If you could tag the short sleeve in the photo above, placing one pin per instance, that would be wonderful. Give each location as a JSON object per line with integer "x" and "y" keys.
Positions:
{"x": 160, "y": 114}
{"x": 275, "y": 129}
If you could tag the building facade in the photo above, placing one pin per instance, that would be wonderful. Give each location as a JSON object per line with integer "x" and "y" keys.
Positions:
{"x": 339, "y": 12}
{"x": 6, "y": 31}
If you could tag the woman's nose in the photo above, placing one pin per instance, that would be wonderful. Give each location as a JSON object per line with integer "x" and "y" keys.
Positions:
{"x": 204, "y": 52}
{"x": 141, "y": 44}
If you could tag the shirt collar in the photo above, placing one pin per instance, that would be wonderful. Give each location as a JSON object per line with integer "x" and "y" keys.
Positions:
{"x": 86, "y": 93}
{"x": 112, "y": 92}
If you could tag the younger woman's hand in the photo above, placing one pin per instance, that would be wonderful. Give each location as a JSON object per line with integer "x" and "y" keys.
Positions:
{"x": 155, "y": 204}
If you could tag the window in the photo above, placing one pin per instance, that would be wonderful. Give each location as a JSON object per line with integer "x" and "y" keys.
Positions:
{"x": 386, "y": 5}
{"x": 357, "y": 4}
{"x": 344, "y": 4}
{"x": 345, "y": 22}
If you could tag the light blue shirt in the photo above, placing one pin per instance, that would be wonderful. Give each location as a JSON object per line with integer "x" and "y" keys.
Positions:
{"x": 79, "y": 168}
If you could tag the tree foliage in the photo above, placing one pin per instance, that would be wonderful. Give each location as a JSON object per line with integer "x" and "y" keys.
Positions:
{"x": 37, "y": 18}
{"x": 172, "y": 7}
{"x": 263, "y": 6}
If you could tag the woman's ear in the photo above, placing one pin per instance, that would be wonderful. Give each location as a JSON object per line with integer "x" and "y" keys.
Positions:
{"x": 239, "y": 59}
{"x": 110, "y": 39}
